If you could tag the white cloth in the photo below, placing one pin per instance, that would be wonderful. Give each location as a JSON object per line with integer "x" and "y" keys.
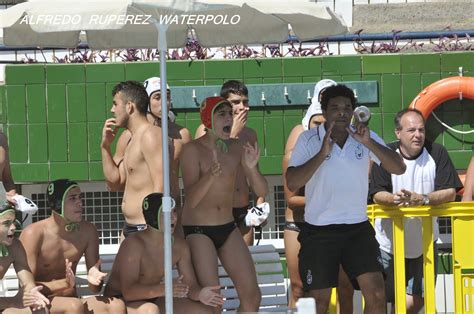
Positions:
{"x": 337, "y": 191}
{"x": 315, "y": 107}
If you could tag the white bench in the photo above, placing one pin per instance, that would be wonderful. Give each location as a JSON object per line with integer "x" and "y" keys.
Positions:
{"x": 267, "y": 264}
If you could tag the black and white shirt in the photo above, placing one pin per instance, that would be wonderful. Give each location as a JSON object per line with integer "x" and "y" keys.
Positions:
{"x": 430, "y": 171}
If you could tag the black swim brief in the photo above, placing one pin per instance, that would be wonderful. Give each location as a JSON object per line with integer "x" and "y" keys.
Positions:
{"x": 293, "y": 225}
{"x": 218, "y": 234}
{"x": 239, "y": 213}
{"x": 131, "y": 228}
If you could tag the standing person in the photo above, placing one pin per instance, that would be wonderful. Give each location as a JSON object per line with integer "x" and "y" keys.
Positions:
{"x": 138, "y": 270}
{"x": 13, "y": 252}
{"x": 178, "y": 136}
{"x": 5, "y": 170}
{"x": 54, "y": 247}
{"x": 469, "y": 183}
{"x": 140, "y": 170}
{"x": 294, "y": 212}
{"x": 430, "y": 179}
{"x": 332, "y": 162}
{"x": 237, "y": 94}
{"x": 209, "y": 173}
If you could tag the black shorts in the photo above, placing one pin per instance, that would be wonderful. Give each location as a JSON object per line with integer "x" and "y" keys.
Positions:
{"x": 324, "y": 248}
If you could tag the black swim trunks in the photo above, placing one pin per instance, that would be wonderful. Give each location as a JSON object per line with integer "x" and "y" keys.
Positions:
{"x": 239, "y": 213}
{"x": 293, "y": 225}
{"x": 218, "y": 234}
{"x": 130, "y": 228}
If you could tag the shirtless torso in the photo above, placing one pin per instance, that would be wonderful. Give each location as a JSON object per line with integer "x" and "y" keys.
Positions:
{"x": 209, "y": 176}
{"x": 140, "y": 172}
{"x": 138, "y": 273}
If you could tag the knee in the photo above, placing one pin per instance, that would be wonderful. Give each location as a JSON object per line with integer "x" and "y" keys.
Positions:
{"x": 117, "y": 306}
{"x": 75, "y": 306}
{"x": 149, "y": 308}
{"x": 251, "y": 300}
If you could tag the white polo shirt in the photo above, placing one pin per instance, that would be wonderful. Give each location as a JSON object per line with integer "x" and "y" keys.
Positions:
{"x": 337, "y": 191}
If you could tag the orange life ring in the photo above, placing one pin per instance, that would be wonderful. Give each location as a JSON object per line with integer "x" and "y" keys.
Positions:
{"x": 441, "y": 91}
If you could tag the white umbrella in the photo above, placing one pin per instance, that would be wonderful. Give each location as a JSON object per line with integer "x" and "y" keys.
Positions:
{"x": 144, "y": 23}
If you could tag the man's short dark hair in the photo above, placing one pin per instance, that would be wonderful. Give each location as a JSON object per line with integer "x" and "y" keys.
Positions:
{"x": 135, "y": 92}
{"x": 401, "y": 113}
{"x": 335, "y": 91}
{"x": 234, "y": 87}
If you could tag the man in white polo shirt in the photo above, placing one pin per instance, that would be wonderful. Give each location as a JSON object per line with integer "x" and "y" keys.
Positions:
{"x": 332, "y": 161}
{"x": 430, "y": 179}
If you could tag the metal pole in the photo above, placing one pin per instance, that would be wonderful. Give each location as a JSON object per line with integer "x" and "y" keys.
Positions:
{"x": 162, "y": 47}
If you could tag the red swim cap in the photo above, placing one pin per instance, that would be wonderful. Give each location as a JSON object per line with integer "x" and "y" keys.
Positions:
{"x": 207, "y": 109}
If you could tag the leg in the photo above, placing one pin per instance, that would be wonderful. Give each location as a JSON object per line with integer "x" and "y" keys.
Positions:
{"x": 236, "y": 259}
{"x": 362, "y": 261}
{"x": 204, "y": 257}
{"x": 345, "y": 293}
{"x": 322, "y": 298}
{"x": 66, "y": 305}
{"x": 104, "y": 305}
{"x": 372, "y": 288}
{"x": 185, "y": 305}
{"x": 247, "y": 233}
{"x": 142, "y": 307}
{"x": 414, "y": 272}
{"x": 292, "y": 247}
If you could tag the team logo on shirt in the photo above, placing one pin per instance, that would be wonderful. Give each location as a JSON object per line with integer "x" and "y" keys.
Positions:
{"x": 359, "y": 151}
{"x": 309, "y": 277}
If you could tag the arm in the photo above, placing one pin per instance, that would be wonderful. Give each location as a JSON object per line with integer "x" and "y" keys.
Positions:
{"x": 112, "y": 173}
{"x": 469, "y": 183}
{"x": 297, "y": 177}
{"x": 295, "y": 201}
{"x": 152, "y": 149}
{"x": 32, "y": 241}
{"x": 31, "y": 295}
{"x": 250, "y": 165}
{"x": 208, "y": 295}
{"x": 95, "y": 277}
{"x": 7, "y": 178}
{"x": 389, "y": 159}
{"x": 196, "y": 186}
{"x": 199, "y": 131}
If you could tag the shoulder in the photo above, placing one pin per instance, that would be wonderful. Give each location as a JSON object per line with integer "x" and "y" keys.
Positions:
{"x": 293, "y": 137}
{"x": 249, "y": 134}
{"x": 88, "y": 227}
{"x": 435, "y": 148}
{"x": 191, "y": 146}
{"x": 130, "y": 246}
{"x": 34, "y": 230}
{"x": 185, "y": 135}
{"x": 3, "y": 139}
{"x": 151, "y": 134}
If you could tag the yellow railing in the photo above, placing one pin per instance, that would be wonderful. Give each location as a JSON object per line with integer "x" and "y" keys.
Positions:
{"x": 463, "y": 248}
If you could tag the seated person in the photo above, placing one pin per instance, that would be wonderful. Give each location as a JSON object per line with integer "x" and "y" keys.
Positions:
{"x": 12, "y": 252}
{"x": 138, "y": 270}
{"x": 54, "y": 247}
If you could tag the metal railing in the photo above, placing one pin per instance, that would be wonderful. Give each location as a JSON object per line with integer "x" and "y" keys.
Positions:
{"x": 426, "y": 213}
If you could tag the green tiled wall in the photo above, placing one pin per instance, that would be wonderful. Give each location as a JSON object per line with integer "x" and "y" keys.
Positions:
{"x": 53, "y": 114}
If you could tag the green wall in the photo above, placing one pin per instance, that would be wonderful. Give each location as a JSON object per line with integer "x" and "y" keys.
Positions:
{"x": 53, "y": 114}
